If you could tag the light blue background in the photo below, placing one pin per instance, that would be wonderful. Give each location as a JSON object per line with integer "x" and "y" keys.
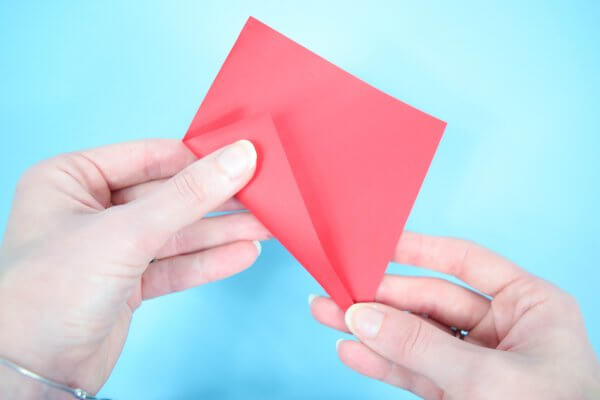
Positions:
{"x": 517, "y": 170}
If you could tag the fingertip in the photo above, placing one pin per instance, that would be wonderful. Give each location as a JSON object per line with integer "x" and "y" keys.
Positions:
{"x": 349, "y": 351}
{"x": 364, "y": 320}
{"x": 311, "y": 298}
{"x": 237, "y": 159}
{"x": 243, "y": 253}
{"x": 247, "y": 250}
{"x": 325, "y": 311}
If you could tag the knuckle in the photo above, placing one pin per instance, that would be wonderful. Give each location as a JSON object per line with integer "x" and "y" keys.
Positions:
{"x": 153, "y": 169}
{"x": 52, "y": 170}
{"x": 32, "y": 174}
{"x": 410, "y": 383}
{"x": 536, "y": 289}
{"x": 568, "y": 301}
{"x": 523, "y": 294}
{"x": 179, "y": 242}
{"x": 457, "y": 268}
{"x": 189, "y": 187}
{"x": 202, "y": 271}
{"x": 169, "y": 276}
{"x": 558, "y": 298}
{"x": 126, "y": 238}
{"x": 415, "y": 341}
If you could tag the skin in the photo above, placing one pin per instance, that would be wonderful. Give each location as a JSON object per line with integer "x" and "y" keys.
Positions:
{"x": 92, "y": 234}
{"x": 77, "y": 257}
{"x": 526, "y": 340}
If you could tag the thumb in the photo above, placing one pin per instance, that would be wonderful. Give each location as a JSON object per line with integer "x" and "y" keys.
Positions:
{"x": 411, "y": 342}
{"x": 151, "y": 220}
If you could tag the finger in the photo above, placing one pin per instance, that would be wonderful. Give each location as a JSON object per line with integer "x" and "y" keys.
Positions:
{"x": 131, "y": 163}
{"x": 326, "y": 312}
{"x": 408, "y": 340}
{"x": 183, "y": 272}
{"x": 443, "y": 301}
{"x": 131, "y": 193}
{"x": 212, "y": 232}
{"x": 366, "y": 362}
{"x": 231, "y": 204}
{"x": 147, "y": 223}
{"x": 479, "y": 267}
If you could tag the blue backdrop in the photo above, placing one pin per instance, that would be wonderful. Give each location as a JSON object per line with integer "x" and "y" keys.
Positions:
{"x": 518, "y": 169}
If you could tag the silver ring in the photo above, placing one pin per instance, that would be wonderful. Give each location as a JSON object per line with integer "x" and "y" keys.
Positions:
{"x": 459, "y": 333}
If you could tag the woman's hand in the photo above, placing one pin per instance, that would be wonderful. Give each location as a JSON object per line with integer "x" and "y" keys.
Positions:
{"x": 526, "y": 338}
{"x": 92, "y": 234}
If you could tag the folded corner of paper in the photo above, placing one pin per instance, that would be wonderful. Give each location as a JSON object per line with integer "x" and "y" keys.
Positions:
{"x": 274, "y": 197}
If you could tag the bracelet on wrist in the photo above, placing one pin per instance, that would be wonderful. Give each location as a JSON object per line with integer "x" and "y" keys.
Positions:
{"x": 77, "y": 393}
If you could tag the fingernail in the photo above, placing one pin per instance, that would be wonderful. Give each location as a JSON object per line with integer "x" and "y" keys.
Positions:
{"x": 363, "y": 320}
{"x": 311, "y": 298}
{"x": 237, "y": 158}
{"x": 337, "y": 343}
{"x": 258, "y": 247}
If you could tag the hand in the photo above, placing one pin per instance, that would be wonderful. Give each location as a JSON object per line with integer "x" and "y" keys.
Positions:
{"x": 526, "y": 338}
{"x": 76, "y": 259}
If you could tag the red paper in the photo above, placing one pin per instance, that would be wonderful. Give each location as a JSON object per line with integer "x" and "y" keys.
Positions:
{"x": 340, "y": 162}
{"x": 274, "y": 198}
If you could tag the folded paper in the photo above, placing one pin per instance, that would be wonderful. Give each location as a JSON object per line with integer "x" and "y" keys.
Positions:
{"x": 340, "y": 163}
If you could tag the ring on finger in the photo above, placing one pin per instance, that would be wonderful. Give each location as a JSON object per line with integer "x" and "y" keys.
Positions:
{"x": 459, "y": 333}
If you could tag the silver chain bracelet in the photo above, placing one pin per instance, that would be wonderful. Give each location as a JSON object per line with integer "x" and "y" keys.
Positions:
{"x": 75, "y": 392}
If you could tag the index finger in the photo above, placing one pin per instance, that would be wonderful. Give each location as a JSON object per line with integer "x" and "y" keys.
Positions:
{"x": 132, "y": 163}
{"x": 475, "y": 265}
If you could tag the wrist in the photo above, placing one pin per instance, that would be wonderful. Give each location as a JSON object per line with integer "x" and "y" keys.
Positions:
{"x": 15, "y": 385}
{"x": 26, "y": 329}
{"x": 22, "y": 344}
{"x": 27, "y": 340}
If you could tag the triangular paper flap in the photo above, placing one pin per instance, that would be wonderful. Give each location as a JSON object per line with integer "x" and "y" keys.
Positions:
{"x": 274, "y": 198}
{"x": 358, "y": 155}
